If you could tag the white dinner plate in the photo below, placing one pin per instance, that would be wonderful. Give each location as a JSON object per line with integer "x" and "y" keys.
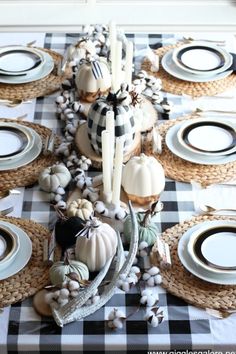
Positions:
{"x": 202, "y": 59}
{"x": 176, "y": 148}
{"x": 20, "y": 60}
{"x": 15, "y": 140}
{"x": 45, "y": 70}
{"x": 192, "y": 267}
{"x": 30, "y": 155}
{"x": 23, "y": 254}
{"x": 177, "y": 72}
{"x": 210, "y": 137}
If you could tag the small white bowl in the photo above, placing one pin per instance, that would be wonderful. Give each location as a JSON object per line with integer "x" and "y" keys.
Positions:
{"x": 11, "y": 241}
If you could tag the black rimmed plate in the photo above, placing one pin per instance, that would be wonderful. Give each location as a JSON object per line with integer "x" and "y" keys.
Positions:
{"x": 13, "y": 141}
{"x": 209, "y": 137}
{"x": 17, "y": 60}
{"x": 202, "y": 59}
{"x": 216, "y": 247}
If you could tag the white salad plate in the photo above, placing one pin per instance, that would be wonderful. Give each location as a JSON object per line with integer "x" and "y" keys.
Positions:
{"x": 170, "y": 67}
{"x": 177, "y": 149}
{"x": 23, "y": 255}
{"x": 43, "y": 71}
{"x": 31, "y": 154}
{"x": 226, "y": 278}
{"x": 20, "y": 60}
{"x": 202, "y": 59}
{"x": 15, "y": 140}
{"x": 210, "y": 137}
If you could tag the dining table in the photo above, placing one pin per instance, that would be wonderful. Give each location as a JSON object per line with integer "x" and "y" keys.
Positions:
{"x": 185, "y": 328}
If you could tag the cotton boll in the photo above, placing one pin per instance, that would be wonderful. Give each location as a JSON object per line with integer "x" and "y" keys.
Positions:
{"x": 57, "y": 198}
{"x": 151, "y": 282}
{"x": 154, "y": 271}
{"x": 64, "y": 293}
{"x": 150, "y": 301}
{"x": 74, "y": 293}
{"x": 62, "y": 302}
{"x": 143, "y": 299}
{"x": 125, "y": 287}
{"x": 143, "y": 253}
{"x": 54, "y": 304}
{"x": 146, "y": 292}
{"x": 158, "y": 279}
{"x": 112, "y": 315}
{"x": 73, "y": 285}
{"x": 154, "y": 321}
{"x": 135, "y": 270}
{"x": 118, "y": 323}
{"x": 146, "y": 276}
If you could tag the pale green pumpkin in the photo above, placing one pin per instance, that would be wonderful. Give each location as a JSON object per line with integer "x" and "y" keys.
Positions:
{"x": 58, "y": 271}
{"x": 147, "y": 232}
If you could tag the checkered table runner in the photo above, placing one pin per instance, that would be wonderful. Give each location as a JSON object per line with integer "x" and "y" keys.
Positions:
{"x": 184, "y": 328}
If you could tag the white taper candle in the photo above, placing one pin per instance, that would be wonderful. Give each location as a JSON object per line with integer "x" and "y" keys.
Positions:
{"x": 118, "y": 170}
{"x": 112, "y": 37}
{"x": 106, "y": 170}
{"x": 118, "y": 68}
{"x": 110, "y": 127}
{"x": 129, "y": 63}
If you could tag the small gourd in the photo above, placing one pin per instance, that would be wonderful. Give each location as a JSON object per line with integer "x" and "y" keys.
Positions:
{"x": 59, "y": 271}
{"x": 82, "y": 208}
{"x": 147, "y": 230}
{"x": 96, "y": 244}
{"x": 143, "y": 179}
{"x": 120, "y": 104}
{"x": 92, "y": 79}
{"x": 53, "y": 177}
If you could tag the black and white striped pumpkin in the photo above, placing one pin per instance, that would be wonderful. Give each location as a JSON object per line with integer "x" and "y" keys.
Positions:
{"x": 124, "y": 120}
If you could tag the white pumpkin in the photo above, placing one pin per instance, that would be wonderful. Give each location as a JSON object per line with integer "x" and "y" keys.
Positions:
{"x": 143, "y": 179}
{"x": 96, "y": 244}
{"x": 82, "y": 208}
{"x": 53, "y": 177}
{"x": 80, "y": 50}
{"x": 92, "y": 79}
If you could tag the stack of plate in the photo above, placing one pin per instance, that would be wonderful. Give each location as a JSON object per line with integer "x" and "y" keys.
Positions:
{"x": 19, "y": 145}
{"x": 198, "y": 62}
{"x": 207, "y": 141}
{"x": 20, "y": 249}
{"x": 207, "y": 250}
{"x": 19, "y": 64}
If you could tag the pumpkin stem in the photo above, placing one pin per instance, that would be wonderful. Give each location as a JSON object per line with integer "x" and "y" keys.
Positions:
{"x": 66, "y": 258}
{"x": 149, "y": 213}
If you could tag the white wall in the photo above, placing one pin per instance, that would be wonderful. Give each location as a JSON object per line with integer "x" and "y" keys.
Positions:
{"x": 135, "y": 15}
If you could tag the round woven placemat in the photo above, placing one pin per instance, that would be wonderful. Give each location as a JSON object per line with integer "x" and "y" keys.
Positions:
{"x": 42, "y": 87}
{"x": 28, "y": 174}
{"x": 179, "y": 87}
{"x": 183, "y": 284}
{"x": 185, "y": 171}
{"x": 34, "y": 276}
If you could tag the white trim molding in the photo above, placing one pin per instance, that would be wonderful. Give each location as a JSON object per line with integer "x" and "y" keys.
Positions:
{"x": 132, "y": 15}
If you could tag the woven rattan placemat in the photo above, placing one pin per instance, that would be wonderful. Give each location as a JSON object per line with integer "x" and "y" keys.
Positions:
{"x": 28, "y": 174}
{"x": 37, "y": 88}
{"x": 188, "y": 287}
{"x": 179, "y": 87}
{"x": 34, "y": 276}
{"x": 185, "y": 171}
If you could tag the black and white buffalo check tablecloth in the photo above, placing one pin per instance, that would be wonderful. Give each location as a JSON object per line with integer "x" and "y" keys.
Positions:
{"x": 185, "y": 328}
